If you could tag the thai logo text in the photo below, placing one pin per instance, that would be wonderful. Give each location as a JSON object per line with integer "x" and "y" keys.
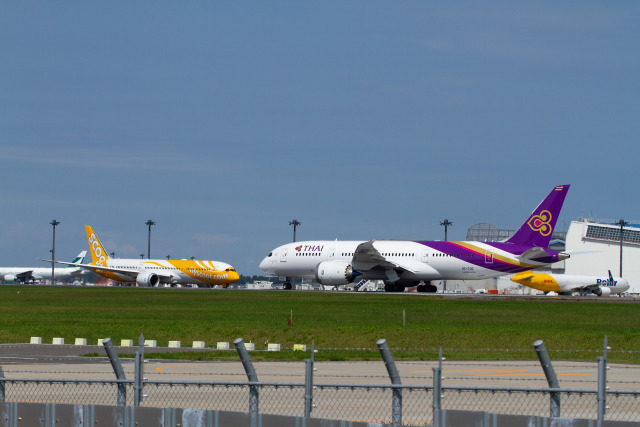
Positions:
{"x": 309, "y": 248}
{"x": 541, "y": 223}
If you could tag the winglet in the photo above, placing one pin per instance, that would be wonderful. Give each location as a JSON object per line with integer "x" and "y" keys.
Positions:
{"x": 79, "y": 259}
{"x": 98, "y": 254}
{"x": 537, "y": 229}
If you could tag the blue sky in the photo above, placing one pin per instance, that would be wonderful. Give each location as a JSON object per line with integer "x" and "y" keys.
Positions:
{"x": 223, "y": 121}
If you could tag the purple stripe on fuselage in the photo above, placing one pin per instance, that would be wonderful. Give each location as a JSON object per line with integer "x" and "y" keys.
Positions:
{"x": 487, "y": 259}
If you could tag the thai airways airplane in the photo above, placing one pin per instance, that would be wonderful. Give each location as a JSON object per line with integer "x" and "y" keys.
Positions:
{"x": 402, "y": 263}
{"x": 152, "y": 272}
{"x": 31, "y": 274}
{"x": 567, "y": 284}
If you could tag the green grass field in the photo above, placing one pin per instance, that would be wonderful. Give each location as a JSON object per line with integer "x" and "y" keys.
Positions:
{"x": 338, "y": 323}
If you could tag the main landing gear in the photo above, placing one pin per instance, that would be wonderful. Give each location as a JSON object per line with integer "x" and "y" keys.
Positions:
{"x": 399, "y": 286}
{"x": 427, "y": 287}
{"x": 393, "y": 287}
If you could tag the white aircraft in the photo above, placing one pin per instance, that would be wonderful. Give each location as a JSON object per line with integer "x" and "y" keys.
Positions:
{"x": 567, "y": 284}
{"x": 152, "y": 272}
{"x": 32, "y": 274}
{"x": 401, "y": 263}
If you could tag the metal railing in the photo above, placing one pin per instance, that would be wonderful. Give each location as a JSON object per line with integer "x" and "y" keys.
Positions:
{"x": 394, "y": 403}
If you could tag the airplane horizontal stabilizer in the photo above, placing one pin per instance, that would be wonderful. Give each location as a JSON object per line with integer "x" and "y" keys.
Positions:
{"x": 533, "y": 253}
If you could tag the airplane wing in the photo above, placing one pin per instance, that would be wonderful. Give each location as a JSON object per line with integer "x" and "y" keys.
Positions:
{"x": 589, "y": 288}
{"x": 367, "y": 258}
{"x": 128, "y": 272}
{"x": 133, "y": 273}
{"x": 25, "y": 275}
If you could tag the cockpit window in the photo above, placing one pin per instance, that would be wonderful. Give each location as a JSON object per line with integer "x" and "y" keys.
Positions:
{"x": 270, "y": 253}
{"x": 230, "y": 269}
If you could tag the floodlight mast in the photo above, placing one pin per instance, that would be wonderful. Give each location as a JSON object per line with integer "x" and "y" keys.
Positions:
{"x": 53, "y": 252}
{"x": 149, "y": 223}
{"x": 621, "y": 223}
{"x": 295, "y": 224}
{"x": 446, "y": 224}
{"x": 287, "y": 280}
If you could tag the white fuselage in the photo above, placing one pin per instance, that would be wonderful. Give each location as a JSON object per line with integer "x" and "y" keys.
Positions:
{"x": 569, "y": 282}
{"x": 10, "y": 274}
{"x": 418, "y": 261}
{"x": 171, "y": 271}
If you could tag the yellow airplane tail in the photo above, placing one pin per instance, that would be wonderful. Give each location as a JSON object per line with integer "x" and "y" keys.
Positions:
{"x": 98, "y": 254}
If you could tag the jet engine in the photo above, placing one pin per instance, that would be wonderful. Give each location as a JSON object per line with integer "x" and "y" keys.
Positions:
{"x": 602, "y": 292}
{"x": 335, "y": 273}
{"x": 147, "y": 279}
{"x": 9, "y": 278}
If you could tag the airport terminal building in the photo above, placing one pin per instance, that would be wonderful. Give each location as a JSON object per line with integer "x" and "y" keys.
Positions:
{"x": 595, "y": 248}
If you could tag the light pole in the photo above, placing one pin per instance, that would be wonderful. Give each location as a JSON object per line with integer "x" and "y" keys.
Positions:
{"x": 446, "y": 224}
{"x": 295, "y": 224}
{"x": 53, "y": 252}
{"x": 621, "y": 223}
{"x": 149, "y": 223}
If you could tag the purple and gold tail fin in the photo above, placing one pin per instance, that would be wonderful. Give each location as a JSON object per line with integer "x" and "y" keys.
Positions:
{"x": 537, "y": 229}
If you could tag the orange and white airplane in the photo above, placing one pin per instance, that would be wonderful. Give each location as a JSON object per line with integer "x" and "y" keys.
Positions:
{"x": 153, "y": 272}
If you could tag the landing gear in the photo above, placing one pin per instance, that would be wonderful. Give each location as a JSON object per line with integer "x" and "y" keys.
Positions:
{"x": 287, "y": 283}
{"x": 427, "y": 287}
{"x": 393, "y": 287}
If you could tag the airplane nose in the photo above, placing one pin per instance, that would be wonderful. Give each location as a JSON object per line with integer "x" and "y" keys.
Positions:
{"x": 625, "y": 286}
{"x": 264, "y": 265}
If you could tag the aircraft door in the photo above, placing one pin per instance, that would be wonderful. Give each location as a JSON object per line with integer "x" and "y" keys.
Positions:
{"x": 283, "y": 255}
{"x": 331, "y": 253}
{"x": 425, "y": 256}
{"x": 488, "y": 257}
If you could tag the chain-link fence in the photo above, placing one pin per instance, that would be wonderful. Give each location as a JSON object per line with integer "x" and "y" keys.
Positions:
{"x": 394, "y": 403}
{"x": 352, "y": 402}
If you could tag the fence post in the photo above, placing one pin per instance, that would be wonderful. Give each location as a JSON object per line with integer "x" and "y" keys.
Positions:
{"x": 138, "y": 383}
{"x": 308, "y": 383}
{"x": 437, "y": 392}
{"x": 396, "y": 407}
{"x": 602, "y": 389}
{"x": 552, "y": 379}
{"x": 251, "y": 374}
{"x": 117, "y": 368}
{"x": 308, "y": 387}
{"x": 1, "y": 385}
